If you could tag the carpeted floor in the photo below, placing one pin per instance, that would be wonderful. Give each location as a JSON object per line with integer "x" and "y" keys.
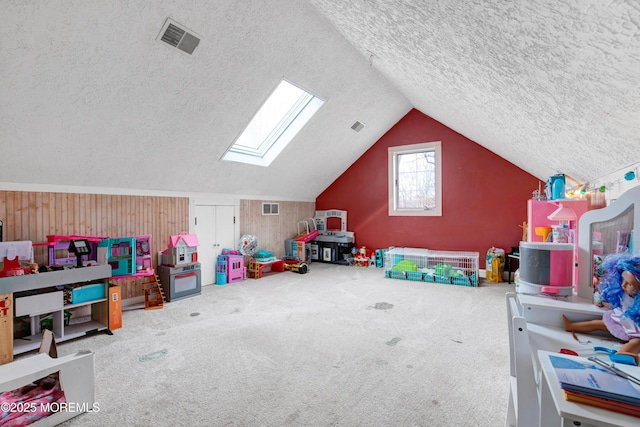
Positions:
{"x": 338, "y": 346}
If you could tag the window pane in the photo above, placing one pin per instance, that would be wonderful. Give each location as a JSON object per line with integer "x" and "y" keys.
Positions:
{"x": 275, "y": 124}
{"x": 285, "y": 102}
{"x": 417, "y": 180}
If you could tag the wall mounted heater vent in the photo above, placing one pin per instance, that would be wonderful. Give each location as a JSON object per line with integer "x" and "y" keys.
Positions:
{"x": 270, "y": 208}
{"x": 357, "y": 126}
{"x": 179, "y": 37}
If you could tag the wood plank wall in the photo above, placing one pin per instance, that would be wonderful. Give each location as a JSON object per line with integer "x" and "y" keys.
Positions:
{"x": 34, "y": 215}
{"x": 273, "y": 230}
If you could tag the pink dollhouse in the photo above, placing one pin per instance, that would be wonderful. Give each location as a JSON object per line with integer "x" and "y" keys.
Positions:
{"x": 182, "y": 249}
{"x": 545, "y": 216}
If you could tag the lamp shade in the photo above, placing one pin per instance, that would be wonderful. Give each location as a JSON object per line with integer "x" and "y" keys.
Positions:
{"x": 563, "y": 214}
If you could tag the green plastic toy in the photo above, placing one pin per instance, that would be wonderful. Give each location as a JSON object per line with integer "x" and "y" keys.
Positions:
{"x": 405, "y": 265}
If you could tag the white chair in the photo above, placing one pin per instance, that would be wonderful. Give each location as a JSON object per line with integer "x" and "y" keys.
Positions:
{"x": 524, "y": 400}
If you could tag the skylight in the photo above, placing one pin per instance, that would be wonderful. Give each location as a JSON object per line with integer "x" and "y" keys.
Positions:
{"x": 276, "y": 123}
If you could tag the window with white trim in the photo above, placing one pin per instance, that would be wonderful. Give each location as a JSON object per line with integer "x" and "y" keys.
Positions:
{"x": 274, "y": 126}
{"x": 415, "y": 180}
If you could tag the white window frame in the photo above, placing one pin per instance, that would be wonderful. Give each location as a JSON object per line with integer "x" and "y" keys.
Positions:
{"x": 260, "y": 143}
{"x": 393, "y": 153}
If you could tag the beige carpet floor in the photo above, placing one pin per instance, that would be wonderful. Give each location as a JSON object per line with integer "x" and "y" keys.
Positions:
{"x": 338, "y": 346}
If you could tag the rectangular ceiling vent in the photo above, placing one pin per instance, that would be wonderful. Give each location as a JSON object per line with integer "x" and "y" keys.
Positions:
{"x": 357, "y": 126}
{"x": 179, "y": 37}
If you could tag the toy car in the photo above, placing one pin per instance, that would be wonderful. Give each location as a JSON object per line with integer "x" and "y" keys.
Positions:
{"x": 296, "y": 265}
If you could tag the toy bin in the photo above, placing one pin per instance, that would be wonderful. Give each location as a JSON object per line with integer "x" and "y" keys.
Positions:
{"x": 546, "y": 268}
{"x": 86, "y": 293}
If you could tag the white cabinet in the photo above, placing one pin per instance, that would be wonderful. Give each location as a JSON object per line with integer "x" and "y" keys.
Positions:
{"x": 36, "y": 295}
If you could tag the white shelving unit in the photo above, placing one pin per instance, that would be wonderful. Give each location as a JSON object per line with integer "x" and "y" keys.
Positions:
{"x": 43, "y": 303}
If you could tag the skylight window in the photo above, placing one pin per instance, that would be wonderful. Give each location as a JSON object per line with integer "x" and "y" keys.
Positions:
{"x": 274, "y": 126}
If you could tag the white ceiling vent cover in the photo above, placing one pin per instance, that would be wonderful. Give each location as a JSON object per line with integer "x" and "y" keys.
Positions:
{"x": 178, "y": 36}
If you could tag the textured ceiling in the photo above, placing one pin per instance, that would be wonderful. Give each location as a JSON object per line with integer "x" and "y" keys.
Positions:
{"x": 550, "y": 85}
{"x": 89, "y": 97}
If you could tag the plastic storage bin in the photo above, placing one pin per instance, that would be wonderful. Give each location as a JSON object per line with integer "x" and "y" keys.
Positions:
{"x": 87, "y": 293}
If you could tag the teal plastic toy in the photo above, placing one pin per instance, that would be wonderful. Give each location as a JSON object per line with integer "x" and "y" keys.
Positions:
{"x": 615, "y": 357}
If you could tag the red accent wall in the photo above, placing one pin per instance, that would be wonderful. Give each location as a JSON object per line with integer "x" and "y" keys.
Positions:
{"x": 484, "y": 197}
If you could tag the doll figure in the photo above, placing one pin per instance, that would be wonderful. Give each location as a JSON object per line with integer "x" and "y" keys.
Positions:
{"x": 619, "y": 289}
{"x": 598, "y": 272}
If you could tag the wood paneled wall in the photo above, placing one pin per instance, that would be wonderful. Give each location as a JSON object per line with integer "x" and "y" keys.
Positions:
{"x": 273, "y": 230}
{"x": 34, "y": 215}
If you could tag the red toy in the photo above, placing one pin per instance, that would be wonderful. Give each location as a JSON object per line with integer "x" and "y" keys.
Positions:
{"x": 362, "y": 257}
{"x": 12, "y": 253}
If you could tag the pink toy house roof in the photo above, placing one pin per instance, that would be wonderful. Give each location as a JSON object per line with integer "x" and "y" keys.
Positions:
{"x": 191, "y": 240}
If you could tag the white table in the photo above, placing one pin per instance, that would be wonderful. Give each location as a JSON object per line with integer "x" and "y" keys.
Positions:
{"x": 535, "y": 323}
{"x": 570, "y": 413}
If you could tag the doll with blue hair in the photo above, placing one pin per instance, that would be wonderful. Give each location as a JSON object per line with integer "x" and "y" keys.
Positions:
{"x": 619, "y": 290}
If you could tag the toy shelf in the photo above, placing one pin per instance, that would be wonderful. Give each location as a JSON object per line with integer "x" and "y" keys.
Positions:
{"x": 38, "y": 295}
{"x": 424, "y": 265}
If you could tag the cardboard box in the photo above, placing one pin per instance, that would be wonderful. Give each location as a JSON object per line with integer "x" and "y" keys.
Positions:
{"x": 115, "y": 308}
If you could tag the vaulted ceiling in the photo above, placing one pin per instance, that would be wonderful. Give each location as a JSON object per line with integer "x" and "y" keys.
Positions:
{"x": 90, "y": 97}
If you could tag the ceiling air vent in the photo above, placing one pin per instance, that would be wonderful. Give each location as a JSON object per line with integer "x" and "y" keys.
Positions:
{"x": 357, "y": 126}
{"x": 179, "y": 37}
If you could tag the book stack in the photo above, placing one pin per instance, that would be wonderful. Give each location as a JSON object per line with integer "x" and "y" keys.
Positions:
{"x": 596, "y": 383}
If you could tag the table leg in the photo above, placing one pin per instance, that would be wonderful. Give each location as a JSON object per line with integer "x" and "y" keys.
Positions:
{"x": 549, "y": 416}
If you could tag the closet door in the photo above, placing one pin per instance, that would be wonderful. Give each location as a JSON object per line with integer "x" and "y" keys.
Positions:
{"x": 226, "y": 228}
{"x": 215, "y": 229}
